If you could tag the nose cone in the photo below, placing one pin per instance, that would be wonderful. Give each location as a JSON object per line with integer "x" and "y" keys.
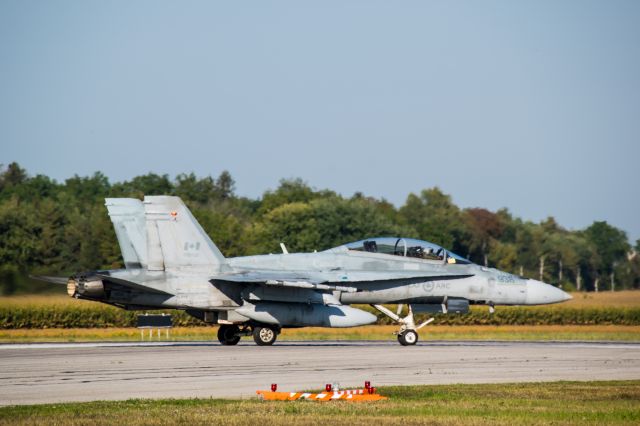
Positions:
{"x": 539, "y": 293}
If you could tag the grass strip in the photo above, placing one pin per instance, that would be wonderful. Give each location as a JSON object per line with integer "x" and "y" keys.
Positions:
{"x": 579, "y": 403}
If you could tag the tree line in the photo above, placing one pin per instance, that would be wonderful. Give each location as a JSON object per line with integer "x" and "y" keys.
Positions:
{"x": 47, "y": 227}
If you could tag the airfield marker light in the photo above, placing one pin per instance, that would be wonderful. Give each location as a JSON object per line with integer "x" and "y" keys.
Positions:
{"x": 327, "y": 387}
{"x": 367, "y": 384}
{"x": 274, "y": 387}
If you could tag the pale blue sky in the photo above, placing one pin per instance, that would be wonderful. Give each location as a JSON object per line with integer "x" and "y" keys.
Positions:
{"x": 534, "y": 106}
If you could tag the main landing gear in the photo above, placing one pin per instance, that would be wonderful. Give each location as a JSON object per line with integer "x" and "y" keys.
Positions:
{"x": 263, "y": 334}
{"x": 407, "y": 336}
{"x": 229, "y": 335}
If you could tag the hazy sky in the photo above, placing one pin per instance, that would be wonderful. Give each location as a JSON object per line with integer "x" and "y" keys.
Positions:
{"x": 534, "y": 106}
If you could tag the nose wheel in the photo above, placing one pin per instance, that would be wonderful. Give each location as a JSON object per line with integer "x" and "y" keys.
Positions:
{"x": 408, "y": 335}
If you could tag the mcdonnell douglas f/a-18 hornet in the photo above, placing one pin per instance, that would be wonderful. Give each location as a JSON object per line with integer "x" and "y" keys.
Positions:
{"x": 171, "y": 263}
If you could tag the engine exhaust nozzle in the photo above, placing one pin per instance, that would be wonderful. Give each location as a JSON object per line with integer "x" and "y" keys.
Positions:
{"x": 72, "y": 287}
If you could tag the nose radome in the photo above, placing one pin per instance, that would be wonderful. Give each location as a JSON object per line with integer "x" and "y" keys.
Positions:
{"x": 539, "y": 293}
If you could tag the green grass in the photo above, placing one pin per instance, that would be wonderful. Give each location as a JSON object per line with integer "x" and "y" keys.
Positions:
{"x": 375, "y": 332}
{"x": 579, "y": 403}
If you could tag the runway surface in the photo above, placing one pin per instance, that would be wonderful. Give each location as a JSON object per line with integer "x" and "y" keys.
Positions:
{"x": 43, "y": 373}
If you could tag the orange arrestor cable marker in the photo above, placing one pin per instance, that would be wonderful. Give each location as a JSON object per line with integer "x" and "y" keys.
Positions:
{"x": 354, "y": 395}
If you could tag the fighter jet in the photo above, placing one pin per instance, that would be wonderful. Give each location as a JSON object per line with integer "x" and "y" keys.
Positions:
{"x": 171, "y": 263}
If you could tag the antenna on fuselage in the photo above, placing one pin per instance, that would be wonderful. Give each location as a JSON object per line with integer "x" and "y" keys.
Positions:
{"x": 284, "y": 248}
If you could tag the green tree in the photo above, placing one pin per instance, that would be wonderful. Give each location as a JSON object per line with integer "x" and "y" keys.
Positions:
{"x": 12, "y": 176}
{"x": 204, "y": 190}
{"x": 504, "y": 256}
{"x": 51, "y": 215}
{"x": 574, "y": 250}
{"x": 139, "y": 186}
{"x": 435, "y": 218}
{"x": 21, "y": 234}
{"x": 291, "y": 191}
{"x": 225, "y": 185}
{"x": 485, "y": 229}
{"x": 612, "y": 246}
{"x": 293, "y": 224}
{"x": 320, "y": 224}
{"x": 226, "y": 230}
{"x": 342, "y": 221}
{"x": 524, "y": 240}
{"x": 190, "y": 188}
{"x": 88, "y": 190}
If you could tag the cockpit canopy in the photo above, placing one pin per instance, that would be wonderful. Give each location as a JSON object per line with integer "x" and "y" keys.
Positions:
{"x": 407, "y": 247}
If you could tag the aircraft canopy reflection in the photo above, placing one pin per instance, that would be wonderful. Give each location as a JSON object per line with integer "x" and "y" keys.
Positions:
{"x": 407, "y": 247}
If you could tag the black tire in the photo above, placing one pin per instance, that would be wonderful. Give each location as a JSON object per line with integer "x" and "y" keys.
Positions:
{"x": 228, "y": 334}
{"x": 408, "y": 338}
{"x": 264, "y": 336}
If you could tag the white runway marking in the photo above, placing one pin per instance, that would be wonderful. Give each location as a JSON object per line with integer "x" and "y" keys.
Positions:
{"x": 57, "y": 372}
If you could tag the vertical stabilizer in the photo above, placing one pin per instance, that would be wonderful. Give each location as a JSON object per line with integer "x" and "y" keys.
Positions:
{"x": 127, "y": 215}
{"x": 175, "y": 240}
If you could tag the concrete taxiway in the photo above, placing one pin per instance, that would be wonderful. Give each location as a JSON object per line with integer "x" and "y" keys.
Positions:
{"x": 43, "y": 373}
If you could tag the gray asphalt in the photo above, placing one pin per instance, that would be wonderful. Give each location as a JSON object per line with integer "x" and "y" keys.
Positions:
{"x": 45, "y": 373}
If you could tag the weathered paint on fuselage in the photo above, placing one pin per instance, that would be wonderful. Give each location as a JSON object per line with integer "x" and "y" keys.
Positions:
{"x": 379, "y": 278}
{"x": 371, "y": 272}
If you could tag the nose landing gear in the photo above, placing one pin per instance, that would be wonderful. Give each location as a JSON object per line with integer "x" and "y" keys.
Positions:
{"x": 407, "y": 336}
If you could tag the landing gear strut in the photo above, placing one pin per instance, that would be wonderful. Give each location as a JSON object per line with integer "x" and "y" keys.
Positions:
{"x": 407, "y": 336}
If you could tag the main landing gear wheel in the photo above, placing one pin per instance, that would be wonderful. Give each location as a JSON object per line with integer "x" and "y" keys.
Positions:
{"x": 264, "y": 336}
{"x": 408, "y": 338}
{"x": 228, "y": 334}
